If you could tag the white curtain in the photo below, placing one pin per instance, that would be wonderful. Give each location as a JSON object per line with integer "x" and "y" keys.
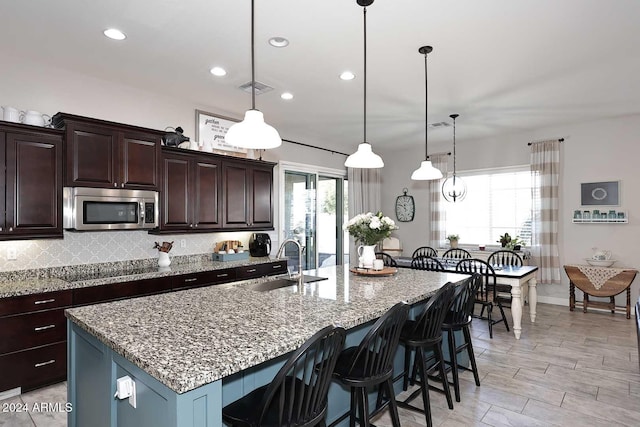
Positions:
{"x": 364, "y": 195}
{"x": 438, "y": 219}
{"x": 545, "y": 174}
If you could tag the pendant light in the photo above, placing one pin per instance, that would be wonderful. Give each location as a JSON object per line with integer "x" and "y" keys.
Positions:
{"x": 426, "y": 171}
{"x": 454, "y": 189}
{"x": 364, "y": 158}
{"x": 253, "y": 132}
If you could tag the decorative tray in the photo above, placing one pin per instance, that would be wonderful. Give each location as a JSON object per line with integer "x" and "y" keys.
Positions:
{"x": 387, "y": 271}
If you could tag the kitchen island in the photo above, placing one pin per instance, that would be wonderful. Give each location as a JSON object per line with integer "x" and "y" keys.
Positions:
{"x": 192, "y": 352}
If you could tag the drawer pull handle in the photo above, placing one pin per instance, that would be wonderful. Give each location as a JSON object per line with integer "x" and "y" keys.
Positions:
{"x": 42, "y": 328}
{"x": 45, "y": 301}
{"x": 277, "y": 266}
{"x": 48, "y": 362}
{"x": 223, "y": 275}
{"x": 193, "y": 279}
{"x": 252, "y": 270}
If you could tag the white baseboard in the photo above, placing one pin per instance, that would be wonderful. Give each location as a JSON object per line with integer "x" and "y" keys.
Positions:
{"x": 10, "y": 393}
{"x": 553, "y": 300}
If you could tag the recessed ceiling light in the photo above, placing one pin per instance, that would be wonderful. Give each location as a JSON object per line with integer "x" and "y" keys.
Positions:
{"x": 286, "y": 96}
{"x": 218, "y": 71}
{"x": 114, "y": 34}
{"x": 347, "y": 75}
{"x": 278, "y": 42}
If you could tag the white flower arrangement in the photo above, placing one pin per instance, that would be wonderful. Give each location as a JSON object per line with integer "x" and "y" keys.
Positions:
{"x": 369, "y": 228}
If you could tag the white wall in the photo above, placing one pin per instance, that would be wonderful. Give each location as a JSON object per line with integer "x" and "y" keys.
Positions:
{"x": 37, "y": 86}
{"x": 603, "y": 150}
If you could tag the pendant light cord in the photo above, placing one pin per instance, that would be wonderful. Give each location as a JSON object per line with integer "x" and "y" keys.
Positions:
{"x": 426, "y": 110}
{"x": 253, "y": 62}
{"x": 364, "y": 14}
{"x": 454, "y": 149}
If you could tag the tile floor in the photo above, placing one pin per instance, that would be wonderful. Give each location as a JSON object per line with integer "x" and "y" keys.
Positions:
{"x": 569, "y": 369}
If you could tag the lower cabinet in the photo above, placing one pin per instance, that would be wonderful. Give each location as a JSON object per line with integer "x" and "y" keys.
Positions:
{"x": 33, "y": 338}
{"x": 33, "y": 333}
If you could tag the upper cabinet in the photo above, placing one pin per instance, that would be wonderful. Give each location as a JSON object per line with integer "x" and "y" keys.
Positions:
{"x": 191, "y": 185}
{"x": 210, "y": 192}
{"x": 248, "y": 195}
{"x": 31, "y": 183}
{"x": 109, "y": 155}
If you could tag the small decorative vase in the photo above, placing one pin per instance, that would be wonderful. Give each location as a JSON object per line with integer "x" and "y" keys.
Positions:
{"x": 163, "y": 259}
{"x": 368, "y": 254}
{"x": 453, "y": 244}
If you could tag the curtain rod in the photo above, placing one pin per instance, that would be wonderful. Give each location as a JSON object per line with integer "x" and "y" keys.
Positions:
{"x": 531, "y": 143}
{"x": 313, "y": 146}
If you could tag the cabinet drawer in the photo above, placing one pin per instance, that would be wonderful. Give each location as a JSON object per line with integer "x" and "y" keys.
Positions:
{"x": 152, "y": 286}
{"x": 32, "y": 330}
{"x": 34, "y": 302}
{"x": 102, "y": 293}
{"x": 33, "y": 368}
{"x": 259, "y": 270}
{"x": 204, "y": 278}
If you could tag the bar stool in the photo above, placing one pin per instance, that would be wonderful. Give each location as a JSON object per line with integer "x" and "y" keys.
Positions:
{"x": 419, "y": 337}
{"x": 371, "y": 364}
{"x": 297, "y": 396}
{"x": 458, "y": 319}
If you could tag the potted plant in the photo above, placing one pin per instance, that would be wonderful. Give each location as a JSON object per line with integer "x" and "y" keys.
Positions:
{"x": 369, "y": 229}
{"x": 504, "y": 240}
{"x": 515, "y": 244}
{"x": 453, "y": 240}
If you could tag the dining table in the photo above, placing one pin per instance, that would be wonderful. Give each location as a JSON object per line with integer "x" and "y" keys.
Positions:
{"x": 522, "y": 280}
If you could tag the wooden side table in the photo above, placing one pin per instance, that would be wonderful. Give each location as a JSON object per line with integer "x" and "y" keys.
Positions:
{"x": 620, "y": 281}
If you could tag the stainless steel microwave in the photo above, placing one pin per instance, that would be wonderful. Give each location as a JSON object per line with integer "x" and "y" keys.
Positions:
{"x": 109, "y": 209}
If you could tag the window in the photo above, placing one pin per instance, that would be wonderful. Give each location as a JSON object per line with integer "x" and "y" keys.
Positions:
{"x": 498, "y": 201}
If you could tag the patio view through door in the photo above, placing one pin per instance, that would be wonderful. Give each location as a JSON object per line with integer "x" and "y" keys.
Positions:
{"x": 315, "y": 207}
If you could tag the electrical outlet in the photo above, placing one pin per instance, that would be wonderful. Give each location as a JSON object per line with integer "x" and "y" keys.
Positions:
{"x": 183, "y": 243}
{"x": 12, "y": 253}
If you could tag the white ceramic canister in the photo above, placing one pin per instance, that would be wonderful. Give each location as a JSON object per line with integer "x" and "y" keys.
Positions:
{"x": 11, "y": 114}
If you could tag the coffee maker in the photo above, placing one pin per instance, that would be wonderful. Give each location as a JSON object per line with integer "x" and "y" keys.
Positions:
{"x": 259, "y": 244}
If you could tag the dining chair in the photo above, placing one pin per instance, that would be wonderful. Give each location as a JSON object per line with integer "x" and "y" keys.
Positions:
{"x": 371, "y": 364}
{"x": 638, "y": 327}
{"x": 422, "y": 338}
{"x": 501, "y": 259}
{"x": 387, "y": 259}
{"x": 426, "y": 263}
{"x": 459, "y": 319}
{"x": 297, "y": 396}
{"x": 425, "y": 251}
{"x": 456, "y": 253}
{"x": 488, "y": 295}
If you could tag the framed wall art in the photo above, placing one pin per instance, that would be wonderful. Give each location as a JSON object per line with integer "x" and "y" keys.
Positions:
{"x": 210, "y": 132}
{"x": 605, "y": 193}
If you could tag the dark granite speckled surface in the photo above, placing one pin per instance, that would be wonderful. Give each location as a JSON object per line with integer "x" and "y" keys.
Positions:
{"x": 190, "y": 338}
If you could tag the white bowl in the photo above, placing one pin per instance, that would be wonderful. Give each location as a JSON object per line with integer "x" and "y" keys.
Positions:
{"x": 600, "y": 262}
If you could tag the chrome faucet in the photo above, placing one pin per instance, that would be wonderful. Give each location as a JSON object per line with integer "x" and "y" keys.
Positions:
{"x": 301, "y": 249}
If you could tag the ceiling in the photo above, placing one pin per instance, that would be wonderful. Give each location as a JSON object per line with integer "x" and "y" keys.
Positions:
{"x": 505, "y": 66}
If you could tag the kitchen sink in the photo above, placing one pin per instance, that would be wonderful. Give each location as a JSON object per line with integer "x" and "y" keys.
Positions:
{"x": 283, "y": 283}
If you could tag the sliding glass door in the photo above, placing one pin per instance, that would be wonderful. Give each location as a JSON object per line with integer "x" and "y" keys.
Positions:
{"x": 315, "y": 208}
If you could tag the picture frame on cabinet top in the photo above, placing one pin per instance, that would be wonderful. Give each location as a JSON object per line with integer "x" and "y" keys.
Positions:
{"x": 210, "y": 132}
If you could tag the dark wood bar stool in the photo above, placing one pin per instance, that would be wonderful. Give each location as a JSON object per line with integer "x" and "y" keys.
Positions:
{"x": 297, "y": 396}
{"x": 458, "y": 319}
{"x": 371, "y": 364}
{"x": 420, "y": 337}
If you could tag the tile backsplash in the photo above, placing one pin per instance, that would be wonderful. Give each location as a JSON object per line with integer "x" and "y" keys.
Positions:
{"x": 105, "y": 246}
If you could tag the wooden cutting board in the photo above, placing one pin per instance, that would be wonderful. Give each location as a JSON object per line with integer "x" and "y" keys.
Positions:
{"x": 387, "y": 271}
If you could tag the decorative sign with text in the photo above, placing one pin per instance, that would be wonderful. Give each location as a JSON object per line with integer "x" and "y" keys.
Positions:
{"x": 210, "y": 132}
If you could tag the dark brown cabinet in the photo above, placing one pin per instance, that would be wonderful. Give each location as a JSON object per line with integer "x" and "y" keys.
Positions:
{"x": 248, "y": 195}
{"x": 109, "y": 155}
{"x": 31, "y": 183}
{"x": 33, "y": 340}
{"x": 190, "y": 192}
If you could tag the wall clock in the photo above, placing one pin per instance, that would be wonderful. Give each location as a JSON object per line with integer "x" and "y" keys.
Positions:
{"x": 405, "y": 207}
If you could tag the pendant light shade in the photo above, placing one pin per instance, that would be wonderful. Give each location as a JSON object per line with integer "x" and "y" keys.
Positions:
{"x": 426, "y": 171}
{"x": 253, "y": 132}
{"x": 454, "y": 189}
{"x": 364, "y": 158}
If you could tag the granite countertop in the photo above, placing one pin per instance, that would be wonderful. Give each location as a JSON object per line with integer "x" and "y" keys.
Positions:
{"x": 202, "y": 335}
{"x": 56, "y": 279}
